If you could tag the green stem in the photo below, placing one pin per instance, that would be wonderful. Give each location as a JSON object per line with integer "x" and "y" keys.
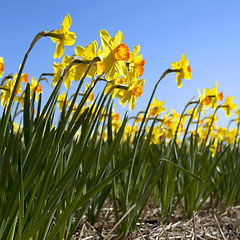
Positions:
{"x": 11, "y": 101}
{"x": 210, "y": 126}
{"x": 179, "y": 122}
{"x": 189, "y": 122}
{"x": 138, "y": 137}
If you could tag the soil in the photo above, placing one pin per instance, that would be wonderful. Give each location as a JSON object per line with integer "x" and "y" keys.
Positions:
{"x": 207, "y": 223}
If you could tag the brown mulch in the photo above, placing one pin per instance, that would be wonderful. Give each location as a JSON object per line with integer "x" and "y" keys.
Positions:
{"x": 206, "y": 224}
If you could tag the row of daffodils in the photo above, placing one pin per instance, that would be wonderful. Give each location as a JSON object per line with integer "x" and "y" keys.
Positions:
{"x": 122, "y": 72}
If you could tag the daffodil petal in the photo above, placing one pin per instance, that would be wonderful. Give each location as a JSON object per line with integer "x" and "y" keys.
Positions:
{"x": 66, "y": 23}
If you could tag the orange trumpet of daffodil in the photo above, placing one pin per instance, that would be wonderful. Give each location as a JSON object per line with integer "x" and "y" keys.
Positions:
{"x": 114, "y": 54}
{"x": 1, "y": 66}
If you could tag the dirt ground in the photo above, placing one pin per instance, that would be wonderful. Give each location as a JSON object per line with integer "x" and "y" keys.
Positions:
{"x": 205, "y": 224}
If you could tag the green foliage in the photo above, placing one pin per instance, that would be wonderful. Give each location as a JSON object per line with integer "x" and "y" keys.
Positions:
{"x": 51, "y": 176}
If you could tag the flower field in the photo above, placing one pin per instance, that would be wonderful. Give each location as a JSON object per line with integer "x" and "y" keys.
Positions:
{"x": 54, "y": 173}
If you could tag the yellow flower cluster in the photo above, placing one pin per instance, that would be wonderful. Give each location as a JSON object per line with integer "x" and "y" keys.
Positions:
{"x": 118, "y": 66}
{"x": 171, "y": 124}
{"x": 7, "y": 86}
{"x": 122, "y": 71}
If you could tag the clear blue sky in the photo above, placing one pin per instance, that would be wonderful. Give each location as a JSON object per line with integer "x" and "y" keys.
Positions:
{"x": 206, "y": 31}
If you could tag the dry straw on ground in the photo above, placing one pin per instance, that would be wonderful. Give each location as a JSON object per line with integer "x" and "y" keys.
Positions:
{"x": 206, "y": 224}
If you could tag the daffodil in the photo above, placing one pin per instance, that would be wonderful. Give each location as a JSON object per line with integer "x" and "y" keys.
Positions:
{"x": 7, "y": 89}
{"x": 215, "y": 147}
{"x": 115, "y": 116}
{"x": 132, "y": 94}
{"x": 222, "y": 132}
{"x": 114, "y": 54}
{"x": 156, "y": 135}
{"x": 232, "y": 135}
{"x": 136, "y": 63}
{"x": 115, "y": 81}
{"x": 204, "y": 100}
{"x": 135, "y": 90}
{"x": 175, "y": 116}
{"x": 116, "y": 123}
{"x": 139, "y": 118}
{"x": 7, "y": 92}
{"x": 1, "y": 67}
{"x": 202, "y": 132}
{"x": 237, "y": 120}
{"x": 184, "y": 70}
{"x": 214, "y": 96}
{"x": 20, "y": 99}
{"x": 58, "y": 68}
{"x": 228, "y": 106}
{"x": 170, "y": 131}
{"x": 211, "y": 118}
{"x": 127, "y": 132}
{"x": 35, "y": 87}
{"x": 63, "y": 37}
{"x": 88, "y": 53}
{"x": 17, "y": 127}
{"x": 24, "y": 78}
{"x": 130, "y": 132}
{"x": 157, "y": 107}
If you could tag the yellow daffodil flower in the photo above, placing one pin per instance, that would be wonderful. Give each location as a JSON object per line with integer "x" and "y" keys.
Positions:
{"x": 209, "y": 122}
{"x": 127, "y": 132}
{"x": 17, "y": 127}
{"x": 157, "y": 107}
{"x": 184, "y": 70}
{"x": 7, "y": 91}
{"x": 204, "y": 100}
{"x": 231, "y": 135}
{"x": 175, "y": 115}
{"x": 35, "y": 87}
{"x": 135, "y": 89}
{"x": 237, "y": 120}
{"x": 228, "y": 106}
{"x": 116, "y": 123}
{"x": 170, "y": 132}
{"x": 114, "y": 54}
{"x": 222, "y": 133}
{"x": 115, "y": 116}
{"x": 58, "y": 70}
{"x": 63, "y": 37}
{"x": 8, "y": 88}
{"x": 117, "y": 80}
{"x": 214, "y": 96}
{"x": 156, "y": 136}
{"x": 226, "y": 135}
{"x": 20, "y": 99}
{"x": 202, "y": 132}
{"x": 136, "y": 63}
{"x": 89, "y": 52}
{"x": 1, "y": 67}
{"x": 24, "y": 78}
{"x": 214, "y": 146}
